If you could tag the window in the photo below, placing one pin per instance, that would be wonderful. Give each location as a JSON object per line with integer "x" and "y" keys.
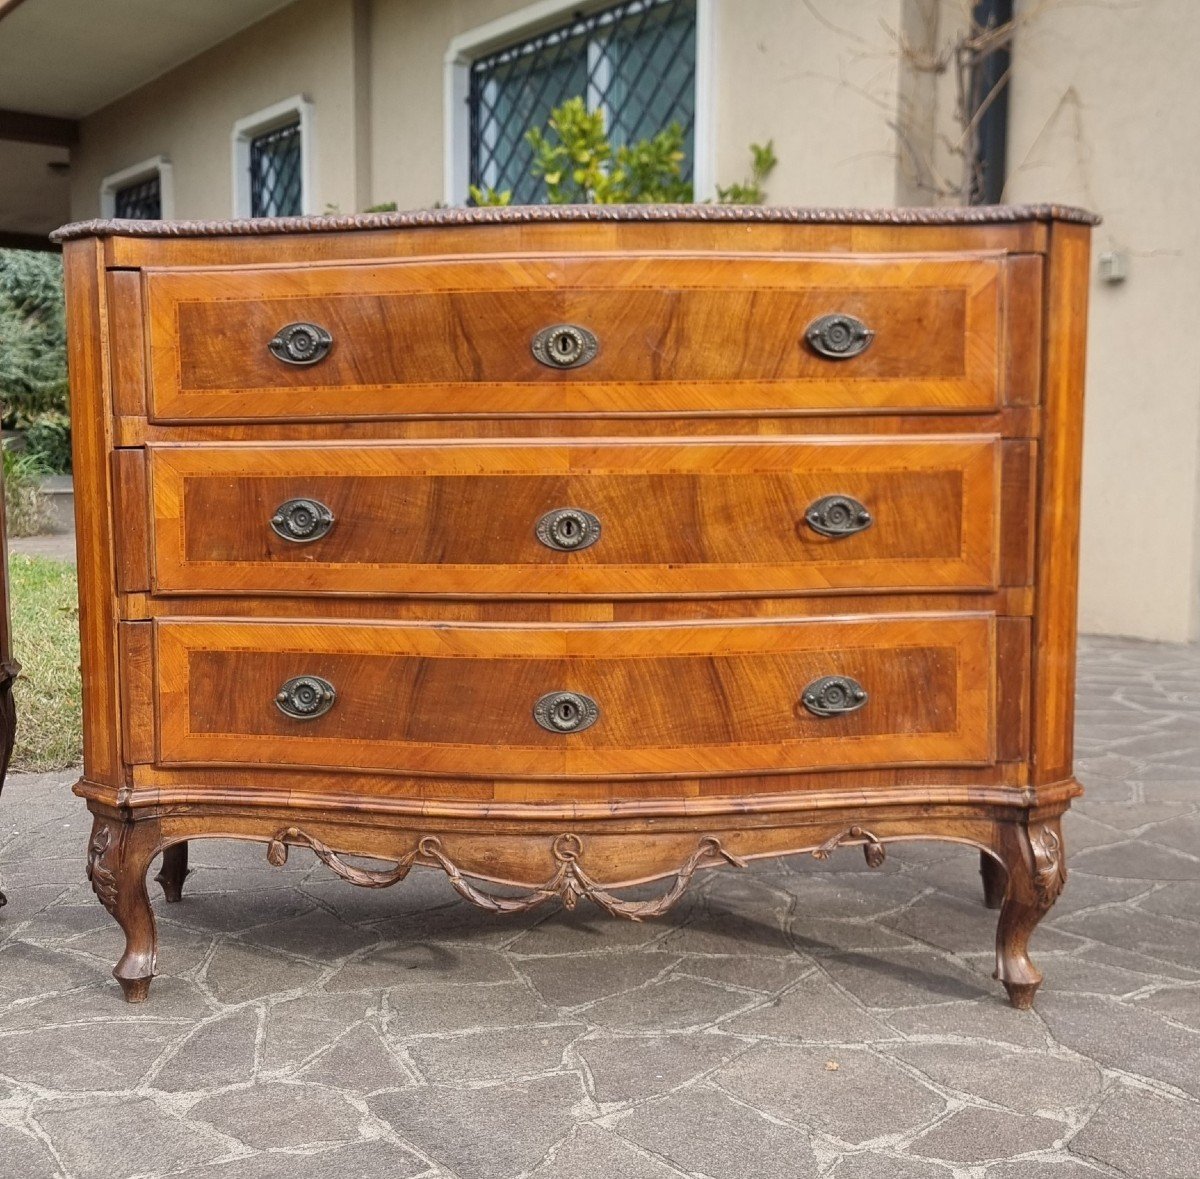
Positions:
{"x": 272, "y": 161}
{"x": 141, "y": 193}
{"x": 636, "y": 61}
{"x": 275, "y": 172}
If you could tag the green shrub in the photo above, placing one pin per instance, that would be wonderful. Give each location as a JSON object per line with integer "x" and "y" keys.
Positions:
{"x": 578, "y": 164}
{"x": 49, "y": 439}
{"x": 24, "y": 503}
{"x": 33, "y": 355}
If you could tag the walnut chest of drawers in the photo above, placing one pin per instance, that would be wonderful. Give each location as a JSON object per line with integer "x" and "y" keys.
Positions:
{"x": 571, "y": 549}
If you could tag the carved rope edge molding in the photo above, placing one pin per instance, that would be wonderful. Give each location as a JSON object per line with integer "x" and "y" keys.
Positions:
{"x": 569, "y": 883}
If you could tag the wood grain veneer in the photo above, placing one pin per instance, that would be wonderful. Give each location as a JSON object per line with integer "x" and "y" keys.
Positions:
{"x": 699, "y": 435}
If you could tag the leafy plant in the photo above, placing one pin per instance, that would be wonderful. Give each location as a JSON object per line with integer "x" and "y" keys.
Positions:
{"x": 49, "y": 438}
{"x": 24, "y": 503}
{"x": 578, "y": 164}
{"x": 33, "y": 356}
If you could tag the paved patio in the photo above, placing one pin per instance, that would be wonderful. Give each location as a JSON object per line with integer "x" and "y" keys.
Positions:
{"x": 795, "y": 1020}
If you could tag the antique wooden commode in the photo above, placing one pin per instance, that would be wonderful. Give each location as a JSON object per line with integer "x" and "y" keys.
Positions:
{"x": 572, "y": 548}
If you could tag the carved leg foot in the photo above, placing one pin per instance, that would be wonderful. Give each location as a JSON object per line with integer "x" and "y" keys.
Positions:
{"x": 119, "y": 856}
{"x": 995, "y": 880}
{"x": 1037, "y": 870}
{"x": 8, "y": 723}
{"x": 173, "y": 872}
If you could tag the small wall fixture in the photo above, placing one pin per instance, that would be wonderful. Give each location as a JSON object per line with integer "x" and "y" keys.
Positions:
{"x": 1112, "y": 267}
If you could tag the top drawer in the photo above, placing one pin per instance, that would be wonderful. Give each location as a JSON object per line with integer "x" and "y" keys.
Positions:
{"x": 648, "y": 334}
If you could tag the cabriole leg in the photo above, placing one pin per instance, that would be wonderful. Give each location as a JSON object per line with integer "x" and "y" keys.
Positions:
{"x": 8, "y": 725}
{"x": 173, "y": 872}
{"x": 994, "y": 880}
{"x": 1034, "y": 857}
{"x": 119, "y": 856}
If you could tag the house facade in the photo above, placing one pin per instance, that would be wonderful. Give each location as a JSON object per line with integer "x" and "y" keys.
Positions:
{"x": 261, "y": 108}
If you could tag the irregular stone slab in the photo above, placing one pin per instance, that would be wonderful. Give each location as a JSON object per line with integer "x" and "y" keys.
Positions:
{"x": 1179, "y": 1004}
{"x": 379, "y": 1159}
{"x": 24, "y": 1156}
{"x": 749, "y": 972}
{"x": 397, "y": 964}
{"x": 82, "y": 1058}
{"x": 864, "y": 1098}
{"x": 820, "y": 937}
{"x": 220, "y": 1052}
{"x": 1024, "y": 1082}
{"x": 359, "y": 1062}
{"x": 229, "y": 912}
{"x": 319, "y": 936}
{"x": 634, "y": 1068}
{"x": 1180, "y": 899}
{"x": 886, "y": 1166}
{"x": 990, "y": 1019}
{"x": 592, "y": 1153}
{"x": 493, "y": 1054}
{"x": 102, "y": 1139}
{"x": 578, "y": 979}
{"x": 434, "y": 1010}
{"x": 1046, "y": 1166}
{"x": 674, "y": 1005}
{"x": 484, "y": 1133}
{"x": 1124, "y": 1036}
{"x": 280, "y": 1115}
{"x": 1138, "y": 860}
{"x": 1141, "y": 1133}
{"x": 974, "y": 1135}
{"x": 27, "y": 970}
{"x": 1160, "y": 938}
{"x": 814, "y": 1010}
{"x": 702, "y": 1130}
{"x": 905, "y": 979}
{"x": 962, "y": 926}
{"x": 298, "y": 1028}
{"x": 237, "y": 973}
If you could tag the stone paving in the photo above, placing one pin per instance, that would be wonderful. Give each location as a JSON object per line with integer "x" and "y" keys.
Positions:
{"x": 793, "y": 1020}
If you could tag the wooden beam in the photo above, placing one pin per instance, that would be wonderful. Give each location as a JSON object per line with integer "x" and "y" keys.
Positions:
{"x": 23, "y": 127}
{"x": 27, "y": 241}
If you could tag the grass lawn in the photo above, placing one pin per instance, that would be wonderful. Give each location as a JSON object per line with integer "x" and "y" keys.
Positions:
{"x": 45, "y": 617}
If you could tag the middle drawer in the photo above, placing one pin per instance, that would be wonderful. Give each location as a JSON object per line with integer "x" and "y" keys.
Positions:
{"x": 608, "y": 518}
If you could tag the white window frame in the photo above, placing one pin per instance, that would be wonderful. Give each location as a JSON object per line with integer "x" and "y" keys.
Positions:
{"x": 525, "y": 22}
{"x": 251, "y": 126}
{"x": 158, "y": 166}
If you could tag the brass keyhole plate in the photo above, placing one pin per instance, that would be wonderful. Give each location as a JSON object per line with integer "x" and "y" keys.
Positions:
{"x": 566, "y": 712}
{"x": 568, "y": 529}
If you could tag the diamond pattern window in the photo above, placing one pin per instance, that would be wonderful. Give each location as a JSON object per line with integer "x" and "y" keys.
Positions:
{"x": 141, "y": 200}
{"x": 275, "y": 172}
{"x": 635, "y": 61}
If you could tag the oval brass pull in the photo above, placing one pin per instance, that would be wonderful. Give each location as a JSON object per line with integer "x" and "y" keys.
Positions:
{"x": 838, "y": 337}
{"x": 565, "y": 345}
{"x": 838, "y": 515}
{"x": 566, "y": 712}
{"x": 302, "y": 520}
{"x": 834, "y": 695}
{"x": 300, "y": 343}
{"x": 568, "y": 529}
{"x": 305, "y": 697}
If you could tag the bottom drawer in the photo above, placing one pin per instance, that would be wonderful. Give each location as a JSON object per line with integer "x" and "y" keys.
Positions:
{"x": 577, "y": 701}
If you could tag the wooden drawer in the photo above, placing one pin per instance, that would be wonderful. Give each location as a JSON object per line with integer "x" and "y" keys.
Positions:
{"x": 686, "y": 699}
{"x": 721, "y": 333}
{"x": 679, "y": 517}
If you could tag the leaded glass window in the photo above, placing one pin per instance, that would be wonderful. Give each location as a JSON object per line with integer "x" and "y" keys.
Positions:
{"x": 635, "y": 61}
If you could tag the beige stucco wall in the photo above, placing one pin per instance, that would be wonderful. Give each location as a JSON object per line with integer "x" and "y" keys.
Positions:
{"x": 188, "y": 114}
{"x": 1105, "y": 112}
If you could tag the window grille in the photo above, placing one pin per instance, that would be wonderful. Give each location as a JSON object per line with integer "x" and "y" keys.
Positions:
{"x": 635, "y": 61}
{"x": 140, "y": 201}
{"x": 275, "y": 172}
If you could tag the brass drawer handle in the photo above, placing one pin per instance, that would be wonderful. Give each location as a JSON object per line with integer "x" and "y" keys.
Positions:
{"x": 565, "y": 345}
{"x": 302, "y": 520}
{"x": 838, "y": 337}
{"x": 568, "y": 529}
{"x": 300, "y": 343}
{"x": 566, "y": 712}
{"x": 305, "y": 697}
{"x": 838, "y": 515}
{"x": 834, "y": 695}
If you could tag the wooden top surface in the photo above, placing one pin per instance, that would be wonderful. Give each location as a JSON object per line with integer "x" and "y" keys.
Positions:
{"x": 424, "y": 218}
